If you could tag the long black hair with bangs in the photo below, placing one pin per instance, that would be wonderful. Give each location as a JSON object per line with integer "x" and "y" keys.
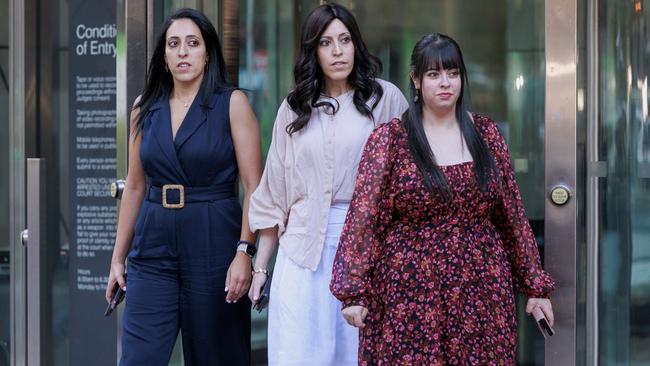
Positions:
{"x": 160, "y": 82}
{"x": 309, "y": 78}
{"x": 435, "y": 52}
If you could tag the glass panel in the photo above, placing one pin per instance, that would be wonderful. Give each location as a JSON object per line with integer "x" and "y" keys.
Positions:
{"x": 504, "y": 53}
{"x": 60, "y": 133}
{"x": 54, "y": 123}
{"x": 163, "y": 9}
{"x": 5, "y": 325}
{"x": 266, "y": 59}
{"x": 624, "y": 278}
{"x": 75, "y": 280}
{"x": 525, "y": 78}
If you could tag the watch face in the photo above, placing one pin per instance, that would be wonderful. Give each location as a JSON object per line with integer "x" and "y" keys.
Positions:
{"x": 251, "y": 250}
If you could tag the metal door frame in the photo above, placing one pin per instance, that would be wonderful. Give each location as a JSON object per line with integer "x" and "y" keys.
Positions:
{"x": 561, "y": 159}
{"x": 595, "y": 170}
{"x": 22, "y": 112}
{"x": 29, "y": 87}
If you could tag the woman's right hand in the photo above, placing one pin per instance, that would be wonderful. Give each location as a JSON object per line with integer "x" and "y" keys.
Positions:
{"x": 259, "y": 279}
{"x": 116, "y": 274}
{"x": 355, "y": 315}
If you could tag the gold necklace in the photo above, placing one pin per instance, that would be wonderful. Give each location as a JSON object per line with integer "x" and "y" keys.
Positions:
{"x": 186, "y": 104}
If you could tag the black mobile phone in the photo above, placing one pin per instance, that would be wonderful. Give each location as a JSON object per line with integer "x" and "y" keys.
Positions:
{"x": 261, "y": 303}
{"x": 117, "y": 295}
{"x": 542, "y": 324}
{"x": 265, "y": 293}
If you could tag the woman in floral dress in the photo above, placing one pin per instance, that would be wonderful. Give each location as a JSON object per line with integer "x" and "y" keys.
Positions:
{"x": 436, "y": 239}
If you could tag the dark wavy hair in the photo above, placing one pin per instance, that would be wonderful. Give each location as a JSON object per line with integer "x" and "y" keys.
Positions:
{"x": 160, "y": 82}
{"x": 309, "y": 77}
{"x": 435, "y": 52}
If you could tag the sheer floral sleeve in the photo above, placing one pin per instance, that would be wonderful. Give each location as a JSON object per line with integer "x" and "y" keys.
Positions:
{"x": 510, "y": 219}
{"x": 370, "y": 211}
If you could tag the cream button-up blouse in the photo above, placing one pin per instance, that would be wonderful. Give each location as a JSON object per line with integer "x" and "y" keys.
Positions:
{"x": 317, "y": 166}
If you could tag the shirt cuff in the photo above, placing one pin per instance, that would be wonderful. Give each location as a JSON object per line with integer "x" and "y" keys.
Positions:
{"x": 355, "y": 301}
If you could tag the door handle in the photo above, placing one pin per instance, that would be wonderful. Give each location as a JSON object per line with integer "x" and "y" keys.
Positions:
{"x": 117, "y": 188}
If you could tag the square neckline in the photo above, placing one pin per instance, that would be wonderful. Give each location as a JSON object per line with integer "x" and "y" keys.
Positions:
{"x": 469, "y": 162}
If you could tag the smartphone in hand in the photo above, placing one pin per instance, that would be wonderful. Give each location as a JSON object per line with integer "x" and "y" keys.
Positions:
{"x": 542, "y": 323}
{"x": 265, "y": 294}
{"x": 117, "y": 295}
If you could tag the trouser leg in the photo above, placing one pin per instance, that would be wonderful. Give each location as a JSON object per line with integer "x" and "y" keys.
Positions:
{"x": 214, "y": 332}
{"x": 150, "y": 322}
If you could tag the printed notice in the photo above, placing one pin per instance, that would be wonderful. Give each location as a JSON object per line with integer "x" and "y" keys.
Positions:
{"x": 92, "y": 84}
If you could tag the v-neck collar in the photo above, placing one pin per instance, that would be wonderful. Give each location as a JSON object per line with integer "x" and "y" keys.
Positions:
{"x": 162, "y": 131}
{"x": 196, "y": 115}
{"x": 161, "y": 125}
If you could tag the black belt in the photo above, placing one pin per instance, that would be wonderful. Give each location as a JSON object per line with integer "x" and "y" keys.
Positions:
{"x": 177, "y": 195}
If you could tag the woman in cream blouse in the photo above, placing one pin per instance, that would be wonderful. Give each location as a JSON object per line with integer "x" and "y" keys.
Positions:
{"x": 302, "y": 200}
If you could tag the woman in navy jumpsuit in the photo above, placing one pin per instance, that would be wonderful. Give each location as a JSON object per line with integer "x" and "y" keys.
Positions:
{"x": 180, "y": 219}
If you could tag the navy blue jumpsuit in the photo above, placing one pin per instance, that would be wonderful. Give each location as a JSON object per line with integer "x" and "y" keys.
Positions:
{"x": 179, "y": 256}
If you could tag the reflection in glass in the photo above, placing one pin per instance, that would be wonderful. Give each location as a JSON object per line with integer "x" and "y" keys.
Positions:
{"x": 624, "y": 278}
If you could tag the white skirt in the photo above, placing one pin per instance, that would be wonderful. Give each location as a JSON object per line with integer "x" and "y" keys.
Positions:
{"x": 306, "y": 326}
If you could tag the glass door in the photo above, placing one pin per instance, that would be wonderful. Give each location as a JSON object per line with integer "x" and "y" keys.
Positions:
{"x": 62, "y": 106}
{"x": 505, "y": 48}
{"x": 621, "y": 145}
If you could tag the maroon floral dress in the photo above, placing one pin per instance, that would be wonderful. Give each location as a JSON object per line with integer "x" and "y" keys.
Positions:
{"x": 436, "y": 275}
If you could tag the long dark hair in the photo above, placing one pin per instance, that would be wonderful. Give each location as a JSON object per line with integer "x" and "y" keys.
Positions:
{"x": 438, "y": 51}
{"x": 309, "y": 78}
{"x": 160, "y": 82}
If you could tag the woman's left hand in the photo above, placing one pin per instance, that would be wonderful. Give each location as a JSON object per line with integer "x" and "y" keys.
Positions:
{"x": 544, "y": 305}
{"x": 238, "y": 278}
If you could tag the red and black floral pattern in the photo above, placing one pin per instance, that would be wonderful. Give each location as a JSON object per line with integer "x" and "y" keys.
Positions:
{"x": 436, "y": 275}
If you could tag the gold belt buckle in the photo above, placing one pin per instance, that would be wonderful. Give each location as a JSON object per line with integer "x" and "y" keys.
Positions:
{"x": 181, "y": 193}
